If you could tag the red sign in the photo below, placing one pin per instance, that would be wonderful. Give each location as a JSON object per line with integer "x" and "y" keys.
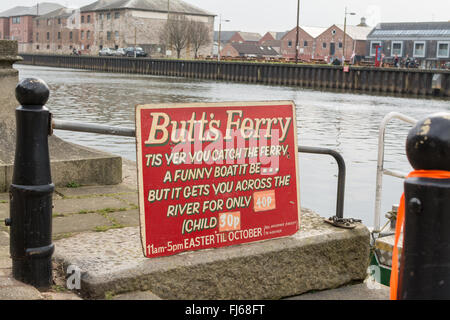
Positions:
{"x": 216, "y": 174}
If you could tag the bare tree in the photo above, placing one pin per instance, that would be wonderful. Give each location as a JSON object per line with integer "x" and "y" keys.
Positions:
{"x": 198, "y": 36}
{"x": 175, "y": 33}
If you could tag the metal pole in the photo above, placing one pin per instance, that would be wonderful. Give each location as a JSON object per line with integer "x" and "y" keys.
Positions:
{"x": 296, "y": 37}
{"x": 220, "y": 30}
{"x": 31, "y": 190}
{"x": 345, "y": 33}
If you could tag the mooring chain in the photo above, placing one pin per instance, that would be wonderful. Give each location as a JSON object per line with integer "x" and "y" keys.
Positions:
{"x": 347, "y": 223}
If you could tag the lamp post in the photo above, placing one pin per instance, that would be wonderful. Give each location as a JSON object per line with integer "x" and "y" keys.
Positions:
{"x": 296, "y": 37}
{"x": 220, "y": 30}
{"x": 345, "y": 32}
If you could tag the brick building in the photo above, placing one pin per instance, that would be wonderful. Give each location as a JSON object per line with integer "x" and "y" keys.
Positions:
{"x": 245, "y": 37}
{"x": 272, "y": 39}
{"x": 330, "y": 43}
{"x": 56, "y": 32}
{"x": 17, "y": 23}
{"x": 306, "y": 42}
{"x": 427, "y": 42}
{"x": 124, "y": 23}
{"x": 248, "y": 50}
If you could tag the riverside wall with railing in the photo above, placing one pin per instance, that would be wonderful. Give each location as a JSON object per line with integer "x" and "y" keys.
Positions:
{"x": 382, "y": 81}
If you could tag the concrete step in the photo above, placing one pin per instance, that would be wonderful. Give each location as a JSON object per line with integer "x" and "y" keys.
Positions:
{"x": 318, "y": 257}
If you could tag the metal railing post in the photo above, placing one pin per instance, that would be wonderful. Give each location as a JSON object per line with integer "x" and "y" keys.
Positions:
{"x": 31, "y": 190}
{"x": 425, "y": 258}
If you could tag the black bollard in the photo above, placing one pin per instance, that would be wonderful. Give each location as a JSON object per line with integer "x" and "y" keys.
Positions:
{"x": 31, "y": 190}
{"x": 425, "y": 260}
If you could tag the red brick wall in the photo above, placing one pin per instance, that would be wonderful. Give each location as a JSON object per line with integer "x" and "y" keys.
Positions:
{"x": 266, "y": 37}
{"x": 87, "y": 32}
{"x": 288, "y": 44}
{"x": 4, "y": 28}
{"x": 58, "y": 41}
{"x": 229, "y": 51}
{"x": 328, "y": 38}
{"x": 23, "y": 31}
{"x": 236, "y": 38}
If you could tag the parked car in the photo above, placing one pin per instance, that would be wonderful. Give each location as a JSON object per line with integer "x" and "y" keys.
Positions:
{"x": 130, "y": 52}
{"x": 120, "y": 52}
{"x": 106, "y": 52}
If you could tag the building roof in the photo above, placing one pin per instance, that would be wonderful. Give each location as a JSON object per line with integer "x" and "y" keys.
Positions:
{"x": 277, "y": 35}
{"x": 356, "y": 32}
{"x": 272, "y": 43}
{"x": 250, "y": 36}
{"x": 58, "y": 13}
{"x": 313, "y": 31}
{"x": 39, "y": 9}
{"x": 176, "y": 6}
{"x": 411, "y": 30}
{"x": 254, "y": 49}
{"x": 224, "y": 35}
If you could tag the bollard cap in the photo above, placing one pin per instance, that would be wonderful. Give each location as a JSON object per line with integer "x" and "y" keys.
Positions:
{"x": 428, "y": 143}
{"x": 32, "y": 92}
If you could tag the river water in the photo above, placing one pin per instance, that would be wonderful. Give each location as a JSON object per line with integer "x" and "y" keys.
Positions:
{"x": 347, "y": 123}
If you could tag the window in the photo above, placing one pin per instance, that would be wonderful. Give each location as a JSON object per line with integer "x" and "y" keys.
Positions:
{"x": 305, "y": 43}
{"x": 88, "y": 34}
{"x": 108, "y": 16}
{"x": 48, "y": 35}
{"x": 16, "y": 20}
{"x": 49, "y": 22}
{"x": 108, "y": 35}
{"x": 37, "y": 36}
{"x": 116, "y": 15}
{"x": 340, "y": 44}
{"x": 442, "y": 49}
{"x": 397, "y": 48}
{"x": 59, "y": 20}
{"x": 48, "y": 46}
{"x": 59, "y": 47}
{"x": 100, "y": 16}
{"x": 116, "y": 34}
{"x": 82, "y": 19}
{"x": 88, "y": 47}
{"x": 37, "y": 22}
{"x": 419, "y": 49}
{"x": 373, "y": 47}
{"x": 290, "y": 43}
{"x": 89, "y": 18}
{"x": 37, "y": 47}
{"x": 59, "y": 35}
{"x": 70, "y": 35}
{"x": 82, "y": 35}
{"x": 324, "y": 45}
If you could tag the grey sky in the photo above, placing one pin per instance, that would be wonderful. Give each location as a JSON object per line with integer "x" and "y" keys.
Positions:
{"x": 269, "y": 15}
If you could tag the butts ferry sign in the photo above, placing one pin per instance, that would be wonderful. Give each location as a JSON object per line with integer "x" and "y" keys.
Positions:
{"x": 216, "y": 174}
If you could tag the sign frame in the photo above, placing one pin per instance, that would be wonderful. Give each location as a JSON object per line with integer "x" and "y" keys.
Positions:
{"x": 237, "y": 104}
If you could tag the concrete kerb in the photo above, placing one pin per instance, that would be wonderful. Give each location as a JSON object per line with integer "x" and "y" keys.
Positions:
{"x": 313, "y": 259}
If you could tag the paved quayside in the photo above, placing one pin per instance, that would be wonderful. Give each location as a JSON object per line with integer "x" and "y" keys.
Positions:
{"x": 96, "y": 229}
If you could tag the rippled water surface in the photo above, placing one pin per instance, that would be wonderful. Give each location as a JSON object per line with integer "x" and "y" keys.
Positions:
{"x": 345, "y": 122}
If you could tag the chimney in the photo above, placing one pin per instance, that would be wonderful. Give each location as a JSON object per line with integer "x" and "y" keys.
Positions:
{"x": 363, "y": 22}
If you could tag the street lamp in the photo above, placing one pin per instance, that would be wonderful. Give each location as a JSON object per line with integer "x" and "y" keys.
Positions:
{"x": 345, "y": 32}
{"x": 220, "y": 30}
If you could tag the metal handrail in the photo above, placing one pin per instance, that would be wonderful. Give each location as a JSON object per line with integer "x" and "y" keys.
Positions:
{"x": 380, "y": 164}
{"x": 131, "y": 132}
{"x": 341, "y": 174}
